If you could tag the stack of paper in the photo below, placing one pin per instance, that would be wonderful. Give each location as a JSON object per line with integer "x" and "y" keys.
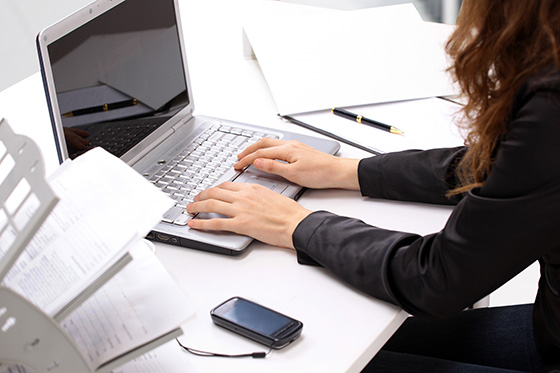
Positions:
{"x": 348, "y": 58}
{"x": 89, "y": 268}
{"x": 105, "y": 208}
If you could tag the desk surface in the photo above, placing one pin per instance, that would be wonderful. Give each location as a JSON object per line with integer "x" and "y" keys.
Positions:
{"x": 343, "y": 328}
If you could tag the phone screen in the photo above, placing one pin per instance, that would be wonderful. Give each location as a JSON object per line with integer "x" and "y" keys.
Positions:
{"x": 255, "y": 317}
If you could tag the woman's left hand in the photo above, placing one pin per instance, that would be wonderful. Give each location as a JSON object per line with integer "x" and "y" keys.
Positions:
{"x": 254, "y": 211}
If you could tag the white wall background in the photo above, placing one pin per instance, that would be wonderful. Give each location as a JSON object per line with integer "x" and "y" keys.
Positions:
{"x": 21, "y": 21}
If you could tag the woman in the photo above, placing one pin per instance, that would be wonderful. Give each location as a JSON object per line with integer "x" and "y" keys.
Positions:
{"x": 505, "y": 184}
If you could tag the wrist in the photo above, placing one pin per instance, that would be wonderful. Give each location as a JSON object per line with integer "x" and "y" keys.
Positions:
{"x": 347, "y": 174}
{"x": 297, "y": 219}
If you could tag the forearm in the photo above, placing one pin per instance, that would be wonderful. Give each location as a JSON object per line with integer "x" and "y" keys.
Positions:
{"x": 414, "y": 175}
{"x": 483, "y": 244}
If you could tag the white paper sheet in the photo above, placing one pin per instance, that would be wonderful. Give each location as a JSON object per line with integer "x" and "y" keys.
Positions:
{"x": 427, "y": 124}
{"x": 77, "y": 243}
{"x": 348, "y": 58}
{"x": 168, "y": 358}
{"x": 139, "y": 304}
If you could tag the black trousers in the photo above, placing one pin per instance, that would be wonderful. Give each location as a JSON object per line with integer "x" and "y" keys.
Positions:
{"x": 498, "y": 339}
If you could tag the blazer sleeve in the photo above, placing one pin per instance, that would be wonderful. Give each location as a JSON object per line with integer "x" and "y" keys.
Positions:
{"x": 413, "y": 175}
{"x": 493, "y": 233}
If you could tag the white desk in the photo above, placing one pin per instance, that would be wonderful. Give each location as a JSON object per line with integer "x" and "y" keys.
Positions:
{"x": 343, "y": 328}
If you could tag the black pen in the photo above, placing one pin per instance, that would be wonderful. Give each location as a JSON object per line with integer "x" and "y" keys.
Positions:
{"x": 363, "y": 120}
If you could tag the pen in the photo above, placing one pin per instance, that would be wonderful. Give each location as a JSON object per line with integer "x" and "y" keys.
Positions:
{"x": 363, "y": 120}
{"x": 99, "y": 108}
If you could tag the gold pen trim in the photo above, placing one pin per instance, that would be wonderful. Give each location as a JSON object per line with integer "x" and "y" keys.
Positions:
{"x": 359, "y": 119}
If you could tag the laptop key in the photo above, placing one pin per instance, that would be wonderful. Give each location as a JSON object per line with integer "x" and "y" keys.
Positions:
{"x": 183, "y": 219}
{"x": 172, "y": 214}
{"x": 212, "y": 155}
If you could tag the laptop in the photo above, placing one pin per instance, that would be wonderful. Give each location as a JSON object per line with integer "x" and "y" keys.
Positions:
{"x": 115, "y": 75}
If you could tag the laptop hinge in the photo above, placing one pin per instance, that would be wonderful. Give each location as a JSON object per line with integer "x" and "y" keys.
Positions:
{"x": 183, "y": 121}
{"x": 161, "y": 138}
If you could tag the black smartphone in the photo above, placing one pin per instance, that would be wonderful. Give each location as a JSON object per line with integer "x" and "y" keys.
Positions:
{"x": 257, "y": 322}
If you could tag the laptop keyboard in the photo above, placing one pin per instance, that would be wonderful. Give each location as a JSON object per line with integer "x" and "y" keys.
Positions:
{"x": 119, "y": 137}
{"x": 200, "y": 165}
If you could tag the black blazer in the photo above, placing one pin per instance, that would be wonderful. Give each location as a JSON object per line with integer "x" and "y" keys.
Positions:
{"x": 493, "y": 233}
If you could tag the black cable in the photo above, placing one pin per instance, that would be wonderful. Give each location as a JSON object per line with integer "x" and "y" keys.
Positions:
{"x": 254, "y": 355}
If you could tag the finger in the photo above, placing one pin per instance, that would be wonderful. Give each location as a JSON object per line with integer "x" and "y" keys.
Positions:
{"x": 250, "y": 153}
{"x": 276, "y": 152}
{"x": 216, "y": 224}
{"x": 272, "y": 167}
{"x": 266, "y": 142}
{"x": 231, "y": 186}
{"x": 211, "y": 206}
{"x": 221, "y": 192}
{"x": 81, "y": 132}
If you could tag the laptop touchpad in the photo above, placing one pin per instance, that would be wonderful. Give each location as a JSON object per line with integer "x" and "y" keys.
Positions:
{"x": 259, "y": 177}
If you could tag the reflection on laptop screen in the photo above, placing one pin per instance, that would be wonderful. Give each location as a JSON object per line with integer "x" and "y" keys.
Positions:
{"x": 119, "y": 77}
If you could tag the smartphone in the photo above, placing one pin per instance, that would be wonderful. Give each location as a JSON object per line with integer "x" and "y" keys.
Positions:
{"x": 257, "y": 322}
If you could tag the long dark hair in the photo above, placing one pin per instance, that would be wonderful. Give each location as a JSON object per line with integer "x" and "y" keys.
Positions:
{"x": 497, "y": 45}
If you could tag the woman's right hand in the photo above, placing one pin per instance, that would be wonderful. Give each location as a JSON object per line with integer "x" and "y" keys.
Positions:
{"x": 301, "y": 164}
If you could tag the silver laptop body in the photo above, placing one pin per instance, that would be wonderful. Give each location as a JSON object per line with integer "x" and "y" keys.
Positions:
{"x": 119, "y": 66}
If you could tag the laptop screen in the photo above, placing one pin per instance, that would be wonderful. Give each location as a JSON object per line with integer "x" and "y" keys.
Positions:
{"x": 119, "y": 77}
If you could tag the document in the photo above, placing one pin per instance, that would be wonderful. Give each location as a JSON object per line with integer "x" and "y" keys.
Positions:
{"x": 138, "y": 305}
{"x": 426, "y": 123}
{"x": 88, "y": 266}
{"x": 167, "y": 358}
{"x": 104, "y": 208}
{"x": 348, "y": 58}
{"x": 130, "y": 315}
